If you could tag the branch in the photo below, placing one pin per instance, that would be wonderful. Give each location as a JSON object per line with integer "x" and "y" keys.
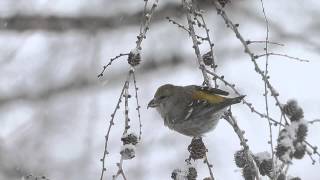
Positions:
{"x": 186, "y": 6}
{"x": 283, "y": 55}
{"x": 314, "y": 121}
{"x": 265, "y": 87}
{"x": 248, "y": 104}
{"x": 269, "y": 42}
{"x": 234, "y": 28}
{"x": 111, "y": 123}
{"x": 243, "y": 141}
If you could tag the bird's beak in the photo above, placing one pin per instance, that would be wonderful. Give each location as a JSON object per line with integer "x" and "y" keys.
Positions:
{"x": 153, "y": 103}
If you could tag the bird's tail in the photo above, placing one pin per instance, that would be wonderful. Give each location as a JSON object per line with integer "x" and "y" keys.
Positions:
{"x": 235, "y": 100}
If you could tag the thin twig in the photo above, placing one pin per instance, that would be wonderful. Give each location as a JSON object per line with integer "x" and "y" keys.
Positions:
{"x": 314, "y": 148}
{"x": 209, "y": 167}
{"x": 266, "y": 48}
{"x": 145, "y": 26}
{"x": 126, "y": 124}
{"x": 247, "y": 50}
{"x": 286, "y": 169}
{"x": 283, "y": 55}
{"x": 314, "y": 121}
{"x": 143, "y": 20}
{"x": 109, "y": 128}
{"x": 208, "y": 39}
{"x": 243, "y": 141}
{"x": 183, "y": 27}
{"x": 310, "y": 155}
{"x": 137, "y": 102}
{"x": 269, "y": 42}
{"x": 110, "y": 62}
{"x": 126, "y": 105}
{"x": 186, "y": 7}
{"x": 248, "y": 104}
{"x": 120, "y": 171}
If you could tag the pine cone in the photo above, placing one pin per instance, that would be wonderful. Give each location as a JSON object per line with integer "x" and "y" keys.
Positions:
{"x": 134, "y": 58}
{"x": 240, "y": 158}
{"x": 129, "y": 139}
{"x": 197, "y": 149}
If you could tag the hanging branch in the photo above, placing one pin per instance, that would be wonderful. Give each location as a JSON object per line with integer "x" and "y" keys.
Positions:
{"x": 120, "y": 170}
{"x": 248, "y": 104}
{"x": 134, "y": 58}
{"x": 126, "y": 125}
{"x": 110, "y": 62}
{"x": 137, "y": 102}
{"x": 145, "y": 26}
{"x": 234, "y": 28}
{"x": 188, "y": 10}
{"x": 266, "y": 48}
{"x": 243, "y": 142}
{"x": 111, "y": 123}
{"x": 209, "y": 56}
{"x": 209, "y": 167}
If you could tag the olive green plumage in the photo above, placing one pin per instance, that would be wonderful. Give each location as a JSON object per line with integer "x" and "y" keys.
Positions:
{"x": 191, "y": 110}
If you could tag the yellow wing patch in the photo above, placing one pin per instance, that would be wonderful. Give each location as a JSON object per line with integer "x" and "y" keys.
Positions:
{"x": 211, "y": 98}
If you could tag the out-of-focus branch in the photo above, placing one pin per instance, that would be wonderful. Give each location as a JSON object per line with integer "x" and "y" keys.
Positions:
{"x": 82, "y": 83}
{"x": 85, "y": 23}
{"x": 314, "y": 121}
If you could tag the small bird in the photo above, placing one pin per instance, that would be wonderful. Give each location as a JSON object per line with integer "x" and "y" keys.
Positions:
{"x": 191, "y": 110}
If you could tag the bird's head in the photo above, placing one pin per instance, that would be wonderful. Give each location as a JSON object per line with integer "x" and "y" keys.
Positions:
{"x": 162, "y": 95}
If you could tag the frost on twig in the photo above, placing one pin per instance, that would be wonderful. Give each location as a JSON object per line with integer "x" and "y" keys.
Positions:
{"x": 128, "y": 151}
{"x": 188, "y": 173}
{"x": 263, "y": 74}
{"x": 198, "y": 151}
{"x": 134, "y": 58}
{"x": 250, "y": 167}
{"x": 291, "y": 138}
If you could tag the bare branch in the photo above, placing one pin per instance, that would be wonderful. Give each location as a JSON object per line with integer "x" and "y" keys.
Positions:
{"x": 243, "y": 141}
{"x": 247, "y": 50}
{"x": 110, "y": 62}
{"x": 314, "y": 121}
{"x": 110, "y": 125}
{"x": 269, "y": 42}
{"x": 137, "y": 102}
{"x": 186, "y": 6}
{"x": 283, "y": 55}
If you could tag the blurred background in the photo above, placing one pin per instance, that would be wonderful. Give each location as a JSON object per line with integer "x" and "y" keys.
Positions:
{"x": 54, "y": 111}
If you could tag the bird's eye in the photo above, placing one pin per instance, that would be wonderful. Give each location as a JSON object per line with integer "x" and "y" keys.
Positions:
{"x": 162, "y": 97}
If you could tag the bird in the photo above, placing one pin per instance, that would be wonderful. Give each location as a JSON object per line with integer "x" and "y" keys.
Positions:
{"x": 191, "y": 110}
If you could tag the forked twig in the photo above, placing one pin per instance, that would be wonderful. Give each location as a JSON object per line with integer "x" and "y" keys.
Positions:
{"x": 110, "y": 125}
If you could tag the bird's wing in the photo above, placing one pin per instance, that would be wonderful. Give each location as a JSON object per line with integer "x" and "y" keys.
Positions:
{"x": 210, "y": 90}
{"x": 209, "y": 96}
{"x": 215, "y": 99}
{"x": 205, "y": 102}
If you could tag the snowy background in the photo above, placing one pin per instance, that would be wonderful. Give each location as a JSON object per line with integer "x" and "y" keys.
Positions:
{"x": 54, "y": 112}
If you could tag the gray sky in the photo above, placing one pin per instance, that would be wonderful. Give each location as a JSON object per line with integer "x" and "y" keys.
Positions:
{"x": 54, "y": 112}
